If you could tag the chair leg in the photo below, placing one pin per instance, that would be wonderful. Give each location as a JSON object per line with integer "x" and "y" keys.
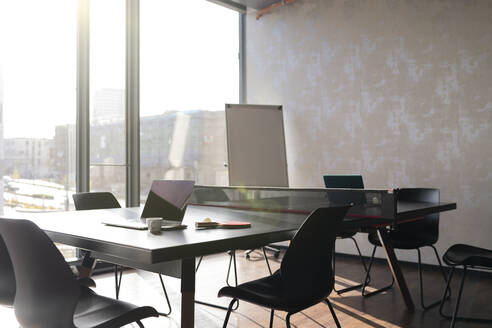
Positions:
{"x": 421, "y": 281}
{"x": 229, "y": 269}
{"x": 117, "y": 280}
{"x": 333, "y": 314}
{"x": 366, "y": 280}
{"x": 443, "y": 272}
{"x": 365, "y": 283}
{"x": 229, "y": 309}
{"x": 455, "y": 316}
{"x": 448, "y": 283}
{"x": 287, "y": 320}
{"x": 212, "y": 304}
{"x": 139, "y": 324}
{"x": 266, "y": 260}
{"x": 367, "y": 277}
{"x": 232, "y": 259}
{"x": 198, "y": 265}
{"x": 167, "y": 298}
{"x": 456, "y": 307}
{"x": 272, "y": 313}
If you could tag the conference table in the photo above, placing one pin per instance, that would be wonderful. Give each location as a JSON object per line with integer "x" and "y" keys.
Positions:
{"x": 275, "y": 215}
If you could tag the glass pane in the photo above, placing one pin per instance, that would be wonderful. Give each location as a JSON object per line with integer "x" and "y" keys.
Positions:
{"x": 107, "y": 82}
{"x": 369, "y": 204}
{"x": 109, "y": 178}
{"x": 37, "y": 106}
{"x": 189, "y": 70}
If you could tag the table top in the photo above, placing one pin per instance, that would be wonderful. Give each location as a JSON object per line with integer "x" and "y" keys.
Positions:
{"x": 83, "y": 229}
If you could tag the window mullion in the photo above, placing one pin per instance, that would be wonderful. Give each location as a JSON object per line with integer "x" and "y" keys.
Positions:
{"x": 132, "y": 103}
{"x": 82, "y": 120}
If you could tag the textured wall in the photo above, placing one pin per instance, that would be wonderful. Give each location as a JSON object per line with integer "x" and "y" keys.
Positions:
{"x": 400, "y": 91}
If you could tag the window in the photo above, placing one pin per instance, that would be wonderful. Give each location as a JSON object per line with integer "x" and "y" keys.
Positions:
{"x": 189, "y": 70}
{"x": 107, "y": 97}
{"x": 37, "y": 106}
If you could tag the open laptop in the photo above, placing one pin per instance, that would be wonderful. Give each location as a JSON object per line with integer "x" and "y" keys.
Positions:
{"x": 344, "y": 181}
{"x": 167, "y": 199}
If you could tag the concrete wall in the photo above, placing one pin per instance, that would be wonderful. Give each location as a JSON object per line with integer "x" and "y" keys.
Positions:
{"x": 400, "y": 91}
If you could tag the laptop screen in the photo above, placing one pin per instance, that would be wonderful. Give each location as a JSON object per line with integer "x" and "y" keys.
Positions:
{"x": 167, "y": 199}
{"x": 348, "y": 181}
{"x": 344, "y": 181}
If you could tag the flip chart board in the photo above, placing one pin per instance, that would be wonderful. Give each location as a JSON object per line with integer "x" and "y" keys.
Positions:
{"x": 256, "y": 145}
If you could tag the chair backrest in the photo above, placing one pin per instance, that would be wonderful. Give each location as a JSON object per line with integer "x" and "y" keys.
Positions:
{"x": 353, "y": 181}
{"x": 7, "y": 278}
{"x": 306, "y": 268}
{"x": 95, "y": 201}
{"x": 47, "y": 291}
{"x": 429, "y": 225}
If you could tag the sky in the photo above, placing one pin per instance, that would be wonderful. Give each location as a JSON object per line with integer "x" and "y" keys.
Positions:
{"x": 188, "y": 58}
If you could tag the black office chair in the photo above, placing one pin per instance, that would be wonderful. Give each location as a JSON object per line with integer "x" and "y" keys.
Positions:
{"x": 306, "y": 275}
{"x": 354, "y": 181}
{"x": 466, "y": 256}
{"x": 412, "y": 235}
{"x": 48, "y": 294}
{"x": 105, "y": 200}
{"x": 7, "y": 278}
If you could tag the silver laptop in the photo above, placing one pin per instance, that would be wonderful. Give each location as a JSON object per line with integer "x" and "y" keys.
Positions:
{"x": 167, "y": 199}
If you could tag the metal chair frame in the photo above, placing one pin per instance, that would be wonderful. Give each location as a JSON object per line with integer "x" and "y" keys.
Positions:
{"x": 454, "y": 317}
{"x": 354, "y": 287}
{"x": 232, "y": 261}
{"x": 117, "y": 278}
{"x": 235, "y": 303}
{"x": 421, "y": 283}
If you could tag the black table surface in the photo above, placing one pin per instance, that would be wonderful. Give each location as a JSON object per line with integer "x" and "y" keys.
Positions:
{"x": 83, "y": 229}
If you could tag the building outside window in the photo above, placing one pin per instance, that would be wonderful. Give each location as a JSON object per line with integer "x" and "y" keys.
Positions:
{"x": 37, "y": 106}
{"x": 189, "y": 69}
{"x": 107, "y": 97}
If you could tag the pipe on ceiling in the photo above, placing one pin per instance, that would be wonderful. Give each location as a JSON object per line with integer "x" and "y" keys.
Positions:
{"x": 272, "y": 6}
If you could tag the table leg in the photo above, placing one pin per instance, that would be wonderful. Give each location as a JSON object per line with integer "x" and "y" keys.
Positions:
{"x": 87, "y": 266}
{"x": 188, "y": 292}
{"x": 395, "y": 268}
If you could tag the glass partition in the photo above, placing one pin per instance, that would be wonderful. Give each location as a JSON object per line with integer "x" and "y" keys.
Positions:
{"x": 365, "y": 203}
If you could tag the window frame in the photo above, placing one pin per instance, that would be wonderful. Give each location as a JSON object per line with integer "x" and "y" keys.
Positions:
{"x": 132, "y": 92}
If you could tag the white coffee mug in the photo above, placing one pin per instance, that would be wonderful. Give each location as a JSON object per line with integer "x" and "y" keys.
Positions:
{"x": 154, "y": 225}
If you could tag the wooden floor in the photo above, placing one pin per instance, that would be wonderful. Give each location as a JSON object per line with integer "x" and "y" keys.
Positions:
{"x": 384, "y": 310}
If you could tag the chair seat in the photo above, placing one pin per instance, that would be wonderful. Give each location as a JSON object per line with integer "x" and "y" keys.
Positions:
{"x": 97, "y": 311}
{"x": 268, "y": 292}
{"x": 402, "y": 240}
{"x": 461, "y": 254}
